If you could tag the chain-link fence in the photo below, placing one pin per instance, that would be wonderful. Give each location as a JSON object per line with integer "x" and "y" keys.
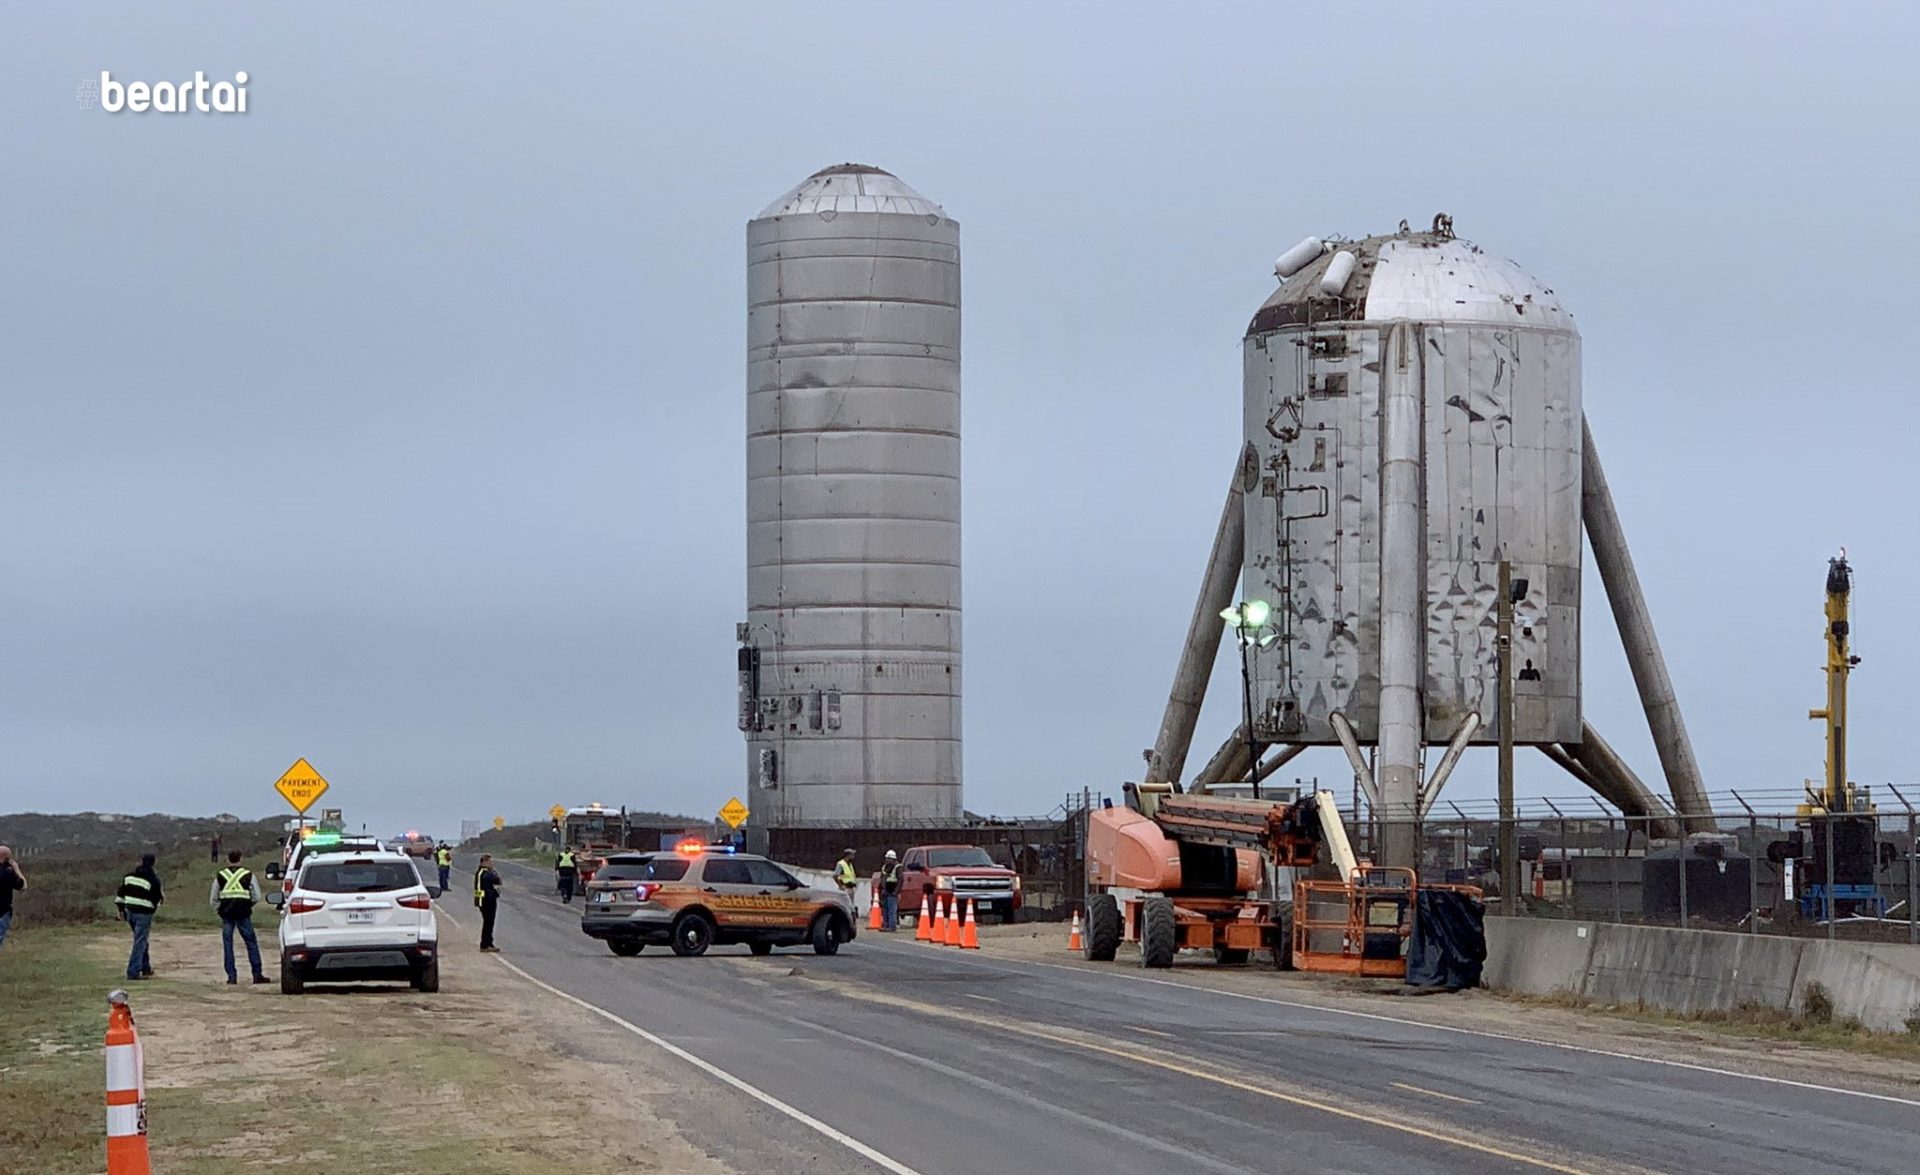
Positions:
{"x": 1749, "y": 870}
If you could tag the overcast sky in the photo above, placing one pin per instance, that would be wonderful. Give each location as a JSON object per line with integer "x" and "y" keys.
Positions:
{"x": 397, "y": 423}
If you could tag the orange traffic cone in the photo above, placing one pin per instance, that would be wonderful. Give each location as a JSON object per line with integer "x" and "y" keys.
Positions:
{"x": 970, "y": 933}
{"x": 1540, "y": 878}
{"x": 126, "y": 1093}
{"x": 1073, "y": 939}
{"x": 954, "y": 915}
{"x": 939, "y": 921}
{"x": 923, "y": 925}
{"x": 873, "y": 910}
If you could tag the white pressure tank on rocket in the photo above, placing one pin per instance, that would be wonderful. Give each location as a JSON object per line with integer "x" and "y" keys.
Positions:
{"x": 850, "y": 655}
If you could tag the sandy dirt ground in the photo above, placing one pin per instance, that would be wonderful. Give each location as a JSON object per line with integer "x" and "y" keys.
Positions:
{"x": 487, "y": 1075}
{"x": 1485, "y": 1011}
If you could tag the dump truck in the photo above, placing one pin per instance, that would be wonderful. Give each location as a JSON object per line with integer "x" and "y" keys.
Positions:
{"x": 592, "y": 832}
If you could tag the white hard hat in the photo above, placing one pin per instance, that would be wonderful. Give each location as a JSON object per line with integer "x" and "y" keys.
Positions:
{"x": 891, "y": 854}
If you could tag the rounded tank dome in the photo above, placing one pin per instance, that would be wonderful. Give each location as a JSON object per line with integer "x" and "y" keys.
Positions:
{"x": 852, "y": 187}
{"x": 1419, "y": 276}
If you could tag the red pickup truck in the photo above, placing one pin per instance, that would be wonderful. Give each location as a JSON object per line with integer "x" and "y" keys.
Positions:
{"x": 965, "y": 871}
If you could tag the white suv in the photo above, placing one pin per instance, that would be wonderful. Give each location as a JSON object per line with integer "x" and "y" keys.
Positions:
{"x": 358, "y": 916}
{"x": 321, "y": 842}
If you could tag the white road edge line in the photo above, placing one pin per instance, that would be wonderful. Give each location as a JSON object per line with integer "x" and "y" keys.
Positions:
{"x": 1572, "y": 1048}
{"x": 710, "y": 1069}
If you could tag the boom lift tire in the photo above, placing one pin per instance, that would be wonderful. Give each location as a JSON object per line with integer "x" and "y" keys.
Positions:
{"x": 1283, "y": 936}
{"x": 1159, "y": 932}
{"x": 1102, "y": 939}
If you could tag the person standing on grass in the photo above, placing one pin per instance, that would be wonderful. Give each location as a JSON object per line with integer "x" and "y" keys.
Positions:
{"x": 12, "y": 881}
{"x": 234, "y": 893}
{"x": 486, "y": 895}
{"x": 138, "y": 900}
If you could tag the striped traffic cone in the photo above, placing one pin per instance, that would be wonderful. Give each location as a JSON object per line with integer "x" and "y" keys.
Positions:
{"x": 873, "y": 911}
{"x": 1073, "y": 938}
{"x": 939, "y": 920}
{"x": 923, "y": 925}
{"x": 954, "y": 915}
{"x": 126, "y": 1092}
{"x": 970, "y": 933}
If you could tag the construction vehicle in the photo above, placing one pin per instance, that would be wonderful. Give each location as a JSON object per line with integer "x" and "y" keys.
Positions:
{"x": 1836, "y": 849}
{"x": 592, "y": 832}
{"x": 1179, "y": 871}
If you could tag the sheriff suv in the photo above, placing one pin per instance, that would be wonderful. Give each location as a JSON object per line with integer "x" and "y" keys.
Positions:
{"x": 357, "y": 916}
{"x": 696, "y": 897}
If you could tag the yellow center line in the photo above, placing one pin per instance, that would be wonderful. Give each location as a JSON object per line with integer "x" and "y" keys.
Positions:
{"x": 1465, "y": 1101}
{"x": 1162, "y": 1063}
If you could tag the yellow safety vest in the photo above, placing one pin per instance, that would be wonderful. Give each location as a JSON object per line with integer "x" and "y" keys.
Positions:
{"x": 566, "y": 860}
{"x": 134, "y": 903}
{"x": 478, "y": 893}
{"x": 233, "y": 884}
{"x": 843, "y": 872}
{"x": 443, "y": 858}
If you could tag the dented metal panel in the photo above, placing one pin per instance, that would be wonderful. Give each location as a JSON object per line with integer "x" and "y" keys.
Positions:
{"x": 1499, "y": 479}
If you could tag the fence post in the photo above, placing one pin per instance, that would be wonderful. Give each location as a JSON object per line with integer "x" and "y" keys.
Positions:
{"x": 1753, "y": 873}
{"x": 1826, "y": 899}
{"x": 1683, "y": 874}
{"x": 1616, "y": 860}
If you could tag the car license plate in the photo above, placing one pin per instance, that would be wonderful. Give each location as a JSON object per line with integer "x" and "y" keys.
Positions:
{"x": 357, "y": 916}
{"x": 602, "y": 898}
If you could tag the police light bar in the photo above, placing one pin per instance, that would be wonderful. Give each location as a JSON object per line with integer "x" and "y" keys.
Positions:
{"x": 689, "y": 848}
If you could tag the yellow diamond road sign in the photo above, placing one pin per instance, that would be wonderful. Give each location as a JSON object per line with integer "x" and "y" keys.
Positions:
{"x": 735, "y": 813}
{"x": 301, "y": 786}
{"x": 499, "y": 821}
{"x": 556, "y": 812}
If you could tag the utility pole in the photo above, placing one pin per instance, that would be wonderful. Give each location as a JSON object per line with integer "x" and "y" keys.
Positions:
{"x": 1508, "y": 850}
{"x": 1246, "y": 691}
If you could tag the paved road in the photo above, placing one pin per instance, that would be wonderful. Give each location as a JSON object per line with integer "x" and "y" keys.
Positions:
{"x": 914, "y": 1059}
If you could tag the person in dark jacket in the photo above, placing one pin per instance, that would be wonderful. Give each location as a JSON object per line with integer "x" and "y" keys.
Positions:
{"x": 234, "y": 892}
{"x": 12, "y": 881}
{"x": 486, "y": 895}
{"x": 138, "y": 900}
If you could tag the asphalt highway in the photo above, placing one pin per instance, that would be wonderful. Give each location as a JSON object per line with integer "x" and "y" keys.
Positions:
{"x": 898, "y": 1056}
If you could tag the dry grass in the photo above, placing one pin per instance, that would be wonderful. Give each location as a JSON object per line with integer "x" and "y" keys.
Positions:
{"x": 1813, "y": 1025}
{"x": 477, "y": 1078}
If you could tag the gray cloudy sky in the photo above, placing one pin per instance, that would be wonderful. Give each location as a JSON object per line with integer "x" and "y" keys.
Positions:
{"x": 398, "y": 422}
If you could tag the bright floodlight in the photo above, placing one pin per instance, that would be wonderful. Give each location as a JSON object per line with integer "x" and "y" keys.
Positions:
{"x": 1256, "y": 612}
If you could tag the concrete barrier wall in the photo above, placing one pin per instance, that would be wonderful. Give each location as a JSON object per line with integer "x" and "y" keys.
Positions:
{"x": 1538, "y": 956}
{"x": 1702, "y": 970}
{"x": 1875, "y": 983}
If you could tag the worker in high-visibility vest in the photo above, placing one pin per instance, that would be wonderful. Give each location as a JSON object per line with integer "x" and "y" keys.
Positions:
{"x": 847, "y": 880}
{"x": 234, "y": 893}
{"x": 138, "y": 899}
{"x": 486, "y": 895}
{"x": 568, "y": 873}
{"x": 443, "y": 857}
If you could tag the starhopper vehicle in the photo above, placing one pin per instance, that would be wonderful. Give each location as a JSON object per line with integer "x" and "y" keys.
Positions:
{"x": 698, "y": 896}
